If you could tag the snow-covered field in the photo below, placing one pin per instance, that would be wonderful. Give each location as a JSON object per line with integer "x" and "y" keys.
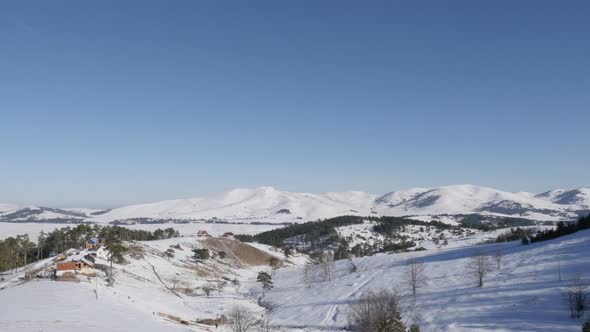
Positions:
{"x": 150, "y": 291}
{"x": 153, "y": 292}
{"x": 57, "y": 307}
{"x": 525, "y": 294}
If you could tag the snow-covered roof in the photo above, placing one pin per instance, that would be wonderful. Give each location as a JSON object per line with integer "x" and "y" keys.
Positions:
{"x": 94, "y": 240}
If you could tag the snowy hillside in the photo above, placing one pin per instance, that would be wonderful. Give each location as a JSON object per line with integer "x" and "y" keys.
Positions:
{"x": 264, "y": 203}
{"x": 158, "y": 291}
{"x": 580, "y": 197}
{"x": 42, "y": 214}
{"x": 4, "y": 208}
{"x": 270, "y": 205}
{"x": 466, "y": 199}
{"x": 524, "y": 294}
{"x": 154, "y": 291}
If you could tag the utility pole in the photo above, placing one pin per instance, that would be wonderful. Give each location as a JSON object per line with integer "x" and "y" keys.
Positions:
{"x": 221, "y": 319}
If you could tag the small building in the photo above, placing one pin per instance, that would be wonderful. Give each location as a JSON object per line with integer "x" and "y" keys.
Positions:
{"x": 229, "y": 235}
{"x": 92, "y": 243}
{"x": 202, "y": 233}
{"x": 72, "y": 268}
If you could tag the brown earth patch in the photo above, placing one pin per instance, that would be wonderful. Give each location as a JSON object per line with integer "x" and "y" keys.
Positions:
{"x": 238, "y": 252}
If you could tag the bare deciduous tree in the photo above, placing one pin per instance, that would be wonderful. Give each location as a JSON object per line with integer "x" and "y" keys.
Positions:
{"x": 308, "y": 274}
{"x": 275, "y": 264}
{"x": 576, "y": 296}
{"x": 174, "y": 281}
{"x": 479, "y": 266}
{"x": 327, "y": 263}
{"x": 207, "y": 289}
{"x": 376, "y": 311}
{"x": 498, "y": 257}
{"x": 415, "y": 275}
{"x": 242, "y": 319}
{"x": 265, "y": 323}
{"x": 352, "y": 268}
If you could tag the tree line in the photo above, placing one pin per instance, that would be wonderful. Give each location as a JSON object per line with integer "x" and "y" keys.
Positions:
{"x": 561, "y": 230}
{"x": 316, "y": 231}
{"x": 311, "y": 231}
{"x": 20, "y": 250}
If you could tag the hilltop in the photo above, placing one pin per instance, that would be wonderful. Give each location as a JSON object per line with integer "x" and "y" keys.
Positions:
{"x": 270, "y": 205}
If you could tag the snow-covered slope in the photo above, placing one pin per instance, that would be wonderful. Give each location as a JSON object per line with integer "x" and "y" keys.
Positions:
{"x": 151, "y": 292}
{"x": 42, "y": 214}
{"x": 524, "y": 294}
{"x": 155, "y": 292}
{"x": 267, "y": 204}
{"x": 260, "y": 203}
{"x": 580, "y": 197}
{"x": 4, "y": 208}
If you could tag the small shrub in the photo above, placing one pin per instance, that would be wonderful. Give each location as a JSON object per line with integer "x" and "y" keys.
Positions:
{"x": 576, "y": 296}
{"x": 376, "y": 311}
{"x": 201, "y": 254}
{"x": 169, "y": 253}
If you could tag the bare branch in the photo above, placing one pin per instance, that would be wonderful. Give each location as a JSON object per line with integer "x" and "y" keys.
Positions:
{"x": 479, "y": 266}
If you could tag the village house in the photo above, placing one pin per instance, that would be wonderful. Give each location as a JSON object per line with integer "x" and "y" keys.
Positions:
{"x": 202, "y": 233}
{"x": 92, "y": 243}
{"x": 71, "y": 268}
{"x": 229, "y": 235}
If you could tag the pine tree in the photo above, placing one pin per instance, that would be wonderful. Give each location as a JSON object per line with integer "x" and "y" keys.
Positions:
{"x": 116, "y": 250}
{"x": 266, "y": 280}
{"x": 287, "y": 251}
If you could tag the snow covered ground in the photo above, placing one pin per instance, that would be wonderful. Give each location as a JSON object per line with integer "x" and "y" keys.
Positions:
{"x": 525, "y": 294}
{"x": 57, "y": 307}
{"x": 152, "y": 292}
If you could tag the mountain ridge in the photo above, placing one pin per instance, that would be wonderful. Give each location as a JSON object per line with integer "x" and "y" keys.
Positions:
{"x": 265, "y": 203}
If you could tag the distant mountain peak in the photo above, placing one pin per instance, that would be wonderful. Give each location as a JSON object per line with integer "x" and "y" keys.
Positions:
{"x": 263, "y": 203}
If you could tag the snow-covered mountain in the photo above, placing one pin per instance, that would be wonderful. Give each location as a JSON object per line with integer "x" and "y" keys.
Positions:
{"x": 267, "y": 204}
{"x": 15, "y": 213}
{"x": 469, "y": 199}
{"x": 580, "y": 197}
{"x": 264, "y": 203}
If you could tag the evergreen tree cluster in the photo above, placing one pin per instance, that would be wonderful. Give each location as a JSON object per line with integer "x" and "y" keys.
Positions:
{"x": 514, "y": 234}
{"x": 390, "y": 226}
{"x": 201, "y": 254}
{"x": 309, "y": 232}
{"x": 322, "y": 234}
{"x": 490, "y": 223}
{"x": 20, "y": 250}
{"x": 561, "y": 230}
{"x": 319, "y": 230}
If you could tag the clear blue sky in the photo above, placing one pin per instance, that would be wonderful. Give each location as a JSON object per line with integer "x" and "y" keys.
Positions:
{"x": 104, "y": 104}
